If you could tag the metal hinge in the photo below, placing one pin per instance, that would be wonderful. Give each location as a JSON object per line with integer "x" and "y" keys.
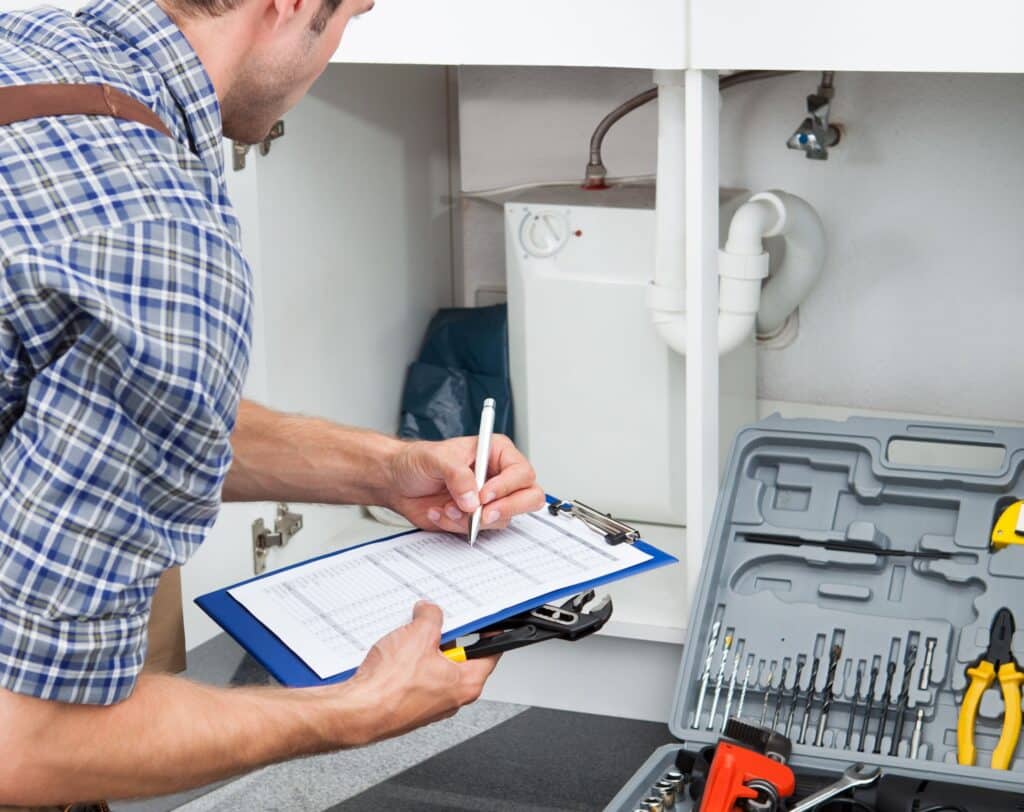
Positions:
{"x": 239, "y": 150}
{"x": 286, "y": 525}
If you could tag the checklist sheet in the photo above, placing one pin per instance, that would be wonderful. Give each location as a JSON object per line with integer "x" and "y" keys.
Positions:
{"x": 330, "y": 611}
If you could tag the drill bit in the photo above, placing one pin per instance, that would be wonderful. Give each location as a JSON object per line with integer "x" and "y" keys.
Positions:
{"x": 853, "y": 705}
{"x": 732, "y": 689}
{"x": 719, "y": 681}
{"x": 743, "y": 689}
{"x": 712, "y": 644}
{"x": 870, "y": 703}
{"x": 796, "y": 694}
{"x": 915, "y": 740}
{"x": 909, "y": 661}
{"x": 890, "y": 672}
{"x": 767, "y": 693}
{"x": 926, "y": 670}
{"x": 778, "y": 695}
{"x": 810, "y": 699}
{"x": 830, "y": 683}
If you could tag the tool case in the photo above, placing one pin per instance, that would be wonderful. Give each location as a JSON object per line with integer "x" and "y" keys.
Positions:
{"x": 807, "y": 552}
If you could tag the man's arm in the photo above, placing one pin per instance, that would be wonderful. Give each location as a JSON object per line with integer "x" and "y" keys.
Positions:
{"x": 305, "y": 459}
{"x": 292, "y": 458}
{"x": 171, "y": 734}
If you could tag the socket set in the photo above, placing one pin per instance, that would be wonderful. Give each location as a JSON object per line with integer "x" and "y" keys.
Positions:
{"x": 862, "y": 608}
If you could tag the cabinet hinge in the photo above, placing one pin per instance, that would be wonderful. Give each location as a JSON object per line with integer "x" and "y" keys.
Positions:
{"x": 286, "y": 525}
{"x": 239, "y": 151}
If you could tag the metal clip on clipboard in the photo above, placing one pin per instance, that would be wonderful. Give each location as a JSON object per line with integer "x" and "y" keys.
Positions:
{"x": 614, "y": 531}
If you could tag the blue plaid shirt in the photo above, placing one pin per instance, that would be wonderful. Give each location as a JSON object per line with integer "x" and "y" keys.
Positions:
{"x": 124, "y": 338}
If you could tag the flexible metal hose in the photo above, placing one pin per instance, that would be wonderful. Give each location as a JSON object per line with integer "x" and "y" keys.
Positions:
{"x": 596, "y": 169}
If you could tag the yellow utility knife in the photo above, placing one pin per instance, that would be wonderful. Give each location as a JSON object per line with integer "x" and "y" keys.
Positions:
{"x": 1009, "y": 527}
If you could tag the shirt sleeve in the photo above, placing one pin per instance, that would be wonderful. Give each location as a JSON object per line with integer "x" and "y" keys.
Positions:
{"x": 122, "y": 356}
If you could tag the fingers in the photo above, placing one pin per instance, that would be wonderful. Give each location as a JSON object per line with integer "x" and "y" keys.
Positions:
{"x": 428, "y": 618}
{"x": 499, "y": 513}
{"x": 460, "y": 481}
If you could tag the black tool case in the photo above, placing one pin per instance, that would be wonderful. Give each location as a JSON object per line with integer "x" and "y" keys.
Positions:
{"x": 841, "y": 485}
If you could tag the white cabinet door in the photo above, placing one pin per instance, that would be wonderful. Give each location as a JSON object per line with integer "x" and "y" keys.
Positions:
{"x": 641, "y": 34}
{"x": 347, "y": 226}
{"x": 871, "y": 35}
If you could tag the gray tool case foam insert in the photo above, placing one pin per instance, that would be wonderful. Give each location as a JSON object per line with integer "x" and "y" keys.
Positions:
{"x": 836, "y": 482}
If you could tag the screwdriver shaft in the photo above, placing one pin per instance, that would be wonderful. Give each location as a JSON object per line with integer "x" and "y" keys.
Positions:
{"x": 915, "y": 739}
{"x": 926, "y": 669}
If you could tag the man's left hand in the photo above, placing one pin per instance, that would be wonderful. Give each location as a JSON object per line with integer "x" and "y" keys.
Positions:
{"x": 433, "y": 484}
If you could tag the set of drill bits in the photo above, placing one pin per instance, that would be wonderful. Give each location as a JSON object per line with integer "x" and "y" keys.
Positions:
{"x": 665, "y": 794}
{"x": 788, "y": 701}
{"x": 887, "y": 704}
{"x": 791, "y": 695}
{"x": 734, "y": 649}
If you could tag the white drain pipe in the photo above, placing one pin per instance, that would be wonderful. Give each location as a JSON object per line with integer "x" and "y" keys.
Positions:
{"x": 743, "y": 262}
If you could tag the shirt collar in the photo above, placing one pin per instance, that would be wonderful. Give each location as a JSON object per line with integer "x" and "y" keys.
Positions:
{"x": 145, "y": 28}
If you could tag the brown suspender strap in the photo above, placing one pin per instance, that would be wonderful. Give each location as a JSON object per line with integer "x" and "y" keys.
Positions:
{"x": 23, "y": 102}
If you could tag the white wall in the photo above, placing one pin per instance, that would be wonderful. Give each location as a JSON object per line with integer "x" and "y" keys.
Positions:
{"x": 917, "y": 310}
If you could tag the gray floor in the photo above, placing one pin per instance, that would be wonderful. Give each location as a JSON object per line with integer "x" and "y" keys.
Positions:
{"x": 312, "y": 784}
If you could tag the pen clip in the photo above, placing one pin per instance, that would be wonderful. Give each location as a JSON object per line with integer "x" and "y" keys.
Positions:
{"x": 614, "y": 531}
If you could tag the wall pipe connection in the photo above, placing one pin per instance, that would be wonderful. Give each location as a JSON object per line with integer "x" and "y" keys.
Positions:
{"x": 743, "y": 263}
{"x": 745, "y": 301}
{"x": 597, "y": 172}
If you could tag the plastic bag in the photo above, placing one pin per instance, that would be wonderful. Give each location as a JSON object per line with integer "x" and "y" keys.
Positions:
{"x": 464, "y": 359}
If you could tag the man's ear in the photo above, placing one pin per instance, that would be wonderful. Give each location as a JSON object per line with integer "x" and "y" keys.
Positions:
{"x": 283, "y": 12}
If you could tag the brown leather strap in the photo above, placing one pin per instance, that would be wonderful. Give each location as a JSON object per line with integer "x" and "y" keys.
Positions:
{"x": 23, "y": 102}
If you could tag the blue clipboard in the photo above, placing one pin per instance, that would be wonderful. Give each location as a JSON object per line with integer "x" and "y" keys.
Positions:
{"x": 288, "y": 669}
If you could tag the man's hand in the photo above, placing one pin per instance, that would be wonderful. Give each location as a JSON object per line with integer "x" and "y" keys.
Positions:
{"x": 433, "y": 484}
{"x": 406, "y": 682}
{"x": 171, "y": 734}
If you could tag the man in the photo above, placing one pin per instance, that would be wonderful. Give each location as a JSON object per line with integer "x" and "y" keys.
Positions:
{"x": 124, "y": 341}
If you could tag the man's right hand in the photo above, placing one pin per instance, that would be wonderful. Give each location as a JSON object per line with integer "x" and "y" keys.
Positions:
{"x": 406, "y": 682}
{"x": 172, "y": 734}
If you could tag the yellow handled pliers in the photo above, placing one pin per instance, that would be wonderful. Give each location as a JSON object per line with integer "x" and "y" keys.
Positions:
{"x": 996, "y": 662}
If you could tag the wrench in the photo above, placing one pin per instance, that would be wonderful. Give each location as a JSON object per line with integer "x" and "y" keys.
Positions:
{"x": 858, "y": 775}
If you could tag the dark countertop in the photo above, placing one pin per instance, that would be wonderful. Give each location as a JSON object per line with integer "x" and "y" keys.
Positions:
{"x": 490, "y": 756}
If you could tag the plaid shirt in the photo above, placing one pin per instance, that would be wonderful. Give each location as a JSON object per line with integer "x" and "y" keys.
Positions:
{"x": 124, "y": 338}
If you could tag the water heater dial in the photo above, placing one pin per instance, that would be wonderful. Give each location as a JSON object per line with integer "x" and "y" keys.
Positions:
{"x": 543, "y": 233}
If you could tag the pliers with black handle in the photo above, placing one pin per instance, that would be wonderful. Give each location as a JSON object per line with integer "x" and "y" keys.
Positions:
{"x": 996, "y": 663}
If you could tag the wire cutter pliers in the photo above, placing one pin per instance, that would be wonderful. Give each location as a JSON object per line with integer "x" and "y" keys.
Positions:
{"x": 567, "y": 621}
{"x": 996, "y": 662}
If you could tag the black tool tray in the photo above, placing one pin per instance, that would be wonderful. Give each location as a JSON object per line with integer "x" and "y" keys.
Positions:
{"x": 841, "y": 483}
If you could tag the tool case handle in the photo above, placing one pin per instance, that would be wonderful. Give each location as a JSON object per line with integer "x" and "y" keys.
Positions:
{"x": 976, "y": 453}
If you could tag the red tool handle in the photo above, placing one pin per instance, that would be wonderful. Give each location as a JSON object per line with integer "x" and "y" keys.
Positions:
{"x": 732, "y": 768}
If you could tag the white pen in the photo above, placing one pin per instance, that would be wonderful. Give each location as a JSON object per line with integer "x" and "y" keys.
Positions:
{"x": 483, "y": 453}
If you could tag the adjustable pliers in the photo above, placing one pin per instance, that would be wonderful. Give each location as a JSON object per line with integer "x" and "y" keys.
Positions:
{"x": 997, "y": 661}
{"x": 567, "y": 621}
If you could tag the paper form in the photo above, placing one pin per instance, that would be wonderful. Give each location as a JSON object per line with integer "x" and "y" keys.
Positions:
{"x": 330, "y": 612}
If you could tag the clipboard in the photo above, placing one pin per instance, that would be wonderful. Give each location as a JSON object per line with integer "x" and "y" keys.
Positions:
{"x": 291, "y": 671}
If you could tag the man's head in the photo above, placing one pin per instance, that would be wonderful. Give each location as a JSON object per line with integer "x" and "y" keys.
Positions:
{"x": 262, "y": 55}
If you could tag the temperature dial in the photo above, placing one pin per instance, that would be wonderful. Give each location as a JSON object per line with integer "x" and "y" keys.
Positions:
{"x": 544, "y": 233}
